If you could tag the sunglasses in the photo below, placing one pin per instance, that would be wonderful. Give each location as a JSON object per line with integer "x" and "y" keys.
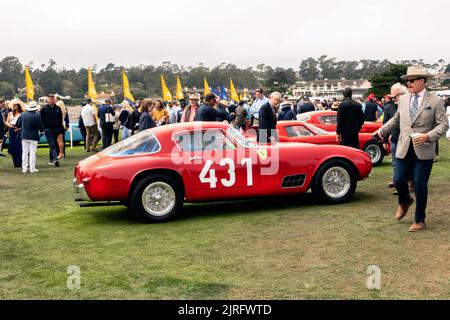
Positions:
{"x": 412, "y": 80}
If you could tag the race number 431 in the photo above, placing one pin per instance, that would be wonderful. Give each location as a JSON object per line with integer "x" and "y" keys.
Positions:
{"x": 212, "y": 180}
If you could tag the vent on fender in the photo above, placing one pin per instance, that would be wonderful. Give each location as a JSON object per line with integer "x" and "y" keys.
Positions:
{"x": 293, "y": 181}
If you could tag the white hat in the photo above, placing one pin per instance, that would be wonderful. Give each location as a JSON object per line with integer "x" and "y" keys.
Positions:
{"x": 32, "y": 106}
{"x": 416, "y": 72}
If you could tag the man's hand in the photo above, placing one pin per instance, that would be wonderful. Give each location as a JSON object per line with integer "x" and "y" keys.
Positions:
{"x": 386, "y": 146}
{"x": 420, "y": 138}
{"x": 378, "y": 133}
{"x": 339, "y": 139}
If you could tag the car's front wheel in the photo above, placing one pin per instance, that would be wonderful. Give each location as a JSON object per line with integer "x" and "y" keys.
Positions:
{"x": 157, "y": 198}
{"x": 335, "y": 182}
{"x": 375, "y": 152}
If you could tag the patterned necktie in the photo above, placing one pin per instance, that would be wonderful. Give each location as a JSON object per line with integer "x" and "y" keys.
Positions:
{"x": 414, "y": 107}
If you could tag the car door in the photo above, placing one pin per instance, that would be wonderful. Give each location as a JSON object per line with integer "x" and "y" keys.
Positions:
{"x": 218, "y": 167}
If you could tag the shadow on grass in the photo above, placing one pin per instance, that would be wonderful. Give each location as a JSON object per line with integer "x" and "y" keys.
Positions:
{"x": 185, "y": 289}
{"x": 192, "y": 211}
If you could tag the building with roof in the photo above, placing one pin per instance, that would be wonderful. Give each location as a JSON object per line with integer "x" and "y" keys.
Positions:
{"x": 330, "y": 89}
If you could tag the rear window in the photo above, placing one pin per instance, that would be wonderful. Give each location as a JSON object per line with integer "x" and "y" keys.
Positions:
{"x": 142, "y": 143}
{"x": 298, "y": 131}
{"x": 331, "y": 119}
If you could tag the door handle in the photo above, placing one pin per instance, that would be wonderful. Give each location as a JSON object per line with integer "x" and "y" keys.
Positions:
{"x": 195, "y": 158}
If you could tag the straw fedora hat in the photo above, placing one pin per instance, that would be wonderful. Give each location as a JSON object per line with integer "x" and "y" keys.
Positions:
{"x": 32, "y": 106}
{"x": 416, "y": 72}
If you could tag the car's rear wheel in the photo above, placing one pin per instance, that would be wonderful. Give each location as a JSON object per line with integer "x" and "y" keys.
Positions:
{"x": 375, "y": 152}
{"x": 335, "y": 182}
{"x": 157, "y": 198}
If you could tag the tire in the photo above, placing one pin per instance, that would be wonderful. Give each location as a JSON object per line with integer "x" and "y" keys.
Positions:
{"x": 152, "y": 211}
{"x": 376, "y": 153}
{"x": 327, "y": 193}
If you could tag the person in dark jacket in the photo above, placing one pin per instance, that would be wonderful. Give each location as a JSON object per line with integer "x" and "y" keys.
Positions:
{"x": 268, "y": 119}
{"x": 106, "y": 115}
{"x": 133, "y": 120}
{"x": 210, "y": 111}
{"x": 371, "y": 109}
{"x": 350, "y": 119}
{"x": 287, "y": 112}
{"x": 146, "y": 120}
{"x": 82, "y": 127}
{"x": 30, "y": 125}
{"x": 51, "y": 121}
{"x": 307, "y": 106}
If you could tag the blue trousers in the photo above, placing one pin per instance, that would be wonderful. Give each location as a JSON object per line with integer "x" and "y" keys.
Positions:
{"x": 412, "y": 168}
{"x": 51, "y": 136}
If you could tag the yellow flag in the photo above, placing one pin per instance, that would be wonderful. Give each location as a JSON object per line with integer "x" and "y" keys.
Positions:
{"x": 179, "y": 94}
{"x": 29, "y": 85}
{"x": 167, "y": 96}
{"x": 92, "y": 93}
{"x": 207, "y": 88}
{"x": 233, "y": 93}
{"x": 126, "y": 87}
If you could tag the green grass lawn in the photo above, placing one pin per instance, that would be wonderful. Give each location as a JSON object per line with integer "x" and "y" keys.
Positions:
{"x": 260, "y": 249}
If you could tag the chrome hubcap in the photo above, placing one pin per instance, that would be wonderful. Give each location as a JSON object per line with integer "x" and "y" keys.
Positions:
{"x": 158, "y": 198}
{"x": 336, "y": 182}
{"x": 374, "y": 152}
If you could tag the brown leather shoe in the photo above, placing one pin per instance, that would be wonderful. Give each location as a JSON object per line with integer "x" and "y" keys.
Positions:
{"x": 403, "y": 210}
{"x": 415, "y": 227}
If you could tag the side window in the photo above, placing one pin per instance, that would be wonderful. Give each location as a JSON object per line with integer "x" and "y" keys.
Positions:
{"x": 298, "y": 131}
{"x": 203, "y": 141}
{"x": 332, "y": 119}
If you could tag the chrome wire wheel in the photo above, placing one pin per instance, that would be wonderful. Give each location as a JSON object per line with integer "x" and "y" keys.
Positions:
{"x": 374, "y": 152}
{"x": 158, "y": 198}
{"x": 336, "y": 182}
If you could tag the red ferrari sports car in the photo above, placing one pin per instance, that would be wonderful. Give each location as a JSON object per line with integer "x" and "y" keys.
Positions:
{"x": 327, "y": 120}
{"x": 155, "y": 171}
{"x": 299, "y": 131}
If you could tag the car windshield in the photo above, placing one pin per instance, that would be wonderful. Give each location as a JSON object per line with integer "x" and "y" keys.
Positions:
{"x": 243, "y": 141}
{"x": 142, "y": 143}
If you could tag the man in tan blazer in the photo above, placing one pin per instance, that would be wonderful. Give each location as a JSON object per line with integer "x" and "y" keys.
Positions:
{"x": 422, "y": 121}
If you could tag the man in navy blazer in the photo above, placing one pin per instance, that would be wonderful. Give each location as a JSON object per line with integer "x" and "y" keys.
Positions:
{"x": 268, "y": 118}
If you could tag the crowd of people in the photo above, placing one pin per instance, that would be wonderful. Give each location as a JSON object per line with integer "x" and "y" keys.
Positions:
{"x": 110, "y": 123}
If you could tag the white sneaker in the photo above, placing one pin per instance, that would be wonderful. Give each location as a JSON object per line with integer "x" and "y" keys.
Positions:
{"x": 34, "y": 171}
{"x": 25, "y": 171}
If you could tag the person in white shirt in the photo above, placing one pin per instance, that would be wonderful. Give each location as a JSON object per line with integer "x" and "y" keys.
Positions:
{"x": 172, "y": 108}
{"x": 88, "y": 113}
{"x": 254, "y": 109}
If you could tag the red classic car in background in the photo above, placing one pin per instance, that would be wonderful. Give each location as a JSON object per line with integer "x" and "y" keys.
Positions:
{"x": 299, "y": 131}
{"x": 155, "y": 171}
{"x": 327, "y": 120}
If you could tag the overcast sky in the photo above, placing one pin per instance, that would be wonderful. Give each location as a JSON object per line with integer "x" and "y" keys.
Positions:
{"x": 80, "y": 33}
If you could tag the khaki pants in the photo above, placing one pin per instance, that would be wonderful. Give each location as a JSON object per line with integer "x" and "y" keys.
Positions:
{"x": 91, "y": 131}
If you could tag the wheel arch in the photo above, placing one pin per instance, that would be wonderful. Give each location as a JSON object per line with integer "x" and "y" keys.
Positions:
{"x": 161, "y": 171}
{"x": 378, "y": 143}
{"x": 325, "y": 161}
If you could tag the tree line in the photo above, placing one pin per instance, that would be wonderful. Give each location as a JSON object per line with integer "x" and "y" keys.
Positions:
{"x": 145, "y": 79}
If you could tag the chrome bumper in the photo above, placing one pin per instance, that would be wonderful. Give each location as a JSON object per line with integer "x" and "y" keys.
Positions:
{"x": 80, "y": 192}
